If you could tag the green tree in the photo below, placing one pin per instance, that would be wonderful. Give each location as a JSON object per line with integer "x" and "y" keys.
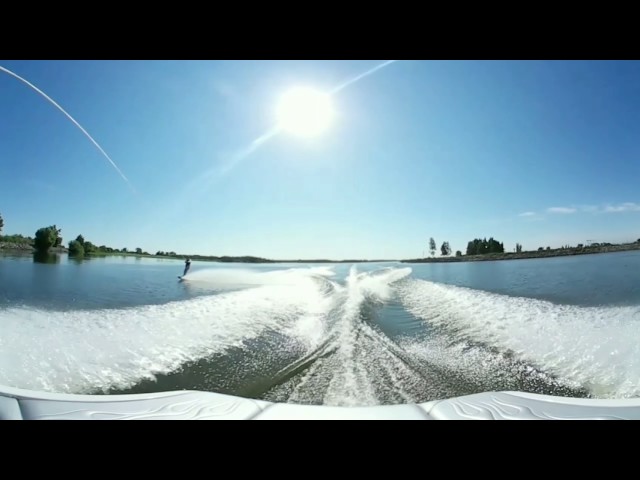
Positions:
{"x": 76, "y": 249}
{"x": 445, "y": 249}
{"x": 58, "y": 241}
{"x": 47, "y": 237}
{"x": 458, "y": 253}
{"x": 432, "y": 246}
{"x": 80, "y": 240}
{"x": 518, "y": 248}
{"x": 17, "y": 239}
{"x": 139, "y": 251}
{"x": 482, "y": 246}
{"x": 1, "y": 223}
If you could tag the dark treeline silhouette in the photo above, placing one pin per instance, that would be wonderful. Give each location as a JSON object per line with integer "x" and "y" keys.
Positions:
{"x": 483, "y": 246}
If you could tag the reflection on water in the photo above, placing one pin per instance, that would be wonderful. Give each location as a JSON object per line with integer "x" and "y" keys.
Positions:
{"x": 40, "y": 257}
{"x": 76, "y": 259}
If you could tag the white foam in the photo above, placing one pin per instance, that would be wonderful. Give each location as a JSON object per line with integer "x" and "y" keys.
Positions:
{"x": 595, "y": 347}
{"x": 380, "y": 283}
{"x": 231, "y": 278}
{"x": 347, "y": 377}
{"x": 81, "y": 351}
{"x": 77, "y": 351}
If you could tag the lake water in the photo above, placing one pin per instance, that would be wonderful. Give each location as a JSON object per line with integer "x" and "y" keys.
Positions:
{"x": 336, "y": 334}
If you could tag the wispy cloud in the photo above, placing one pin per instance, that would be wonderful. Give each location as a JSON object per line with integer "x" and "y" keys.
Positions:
{"x": 590, "y": 208}
{"x": 564, "y": 210}
{"x": 611, "y": 208}
{"x": 607, "y": 208}
{"x": 623, "y": 207}
{"x": 34, "y": 182}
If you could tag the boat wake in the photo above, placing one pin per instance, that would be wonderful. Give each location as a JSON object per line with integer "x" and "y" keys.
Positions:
{"x": 305, "y": 335}
{"x": 592, "y": 348}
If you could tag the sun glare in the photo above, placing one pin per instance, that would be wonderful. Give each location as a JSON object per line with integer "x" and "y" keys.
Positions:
{"x": 305, "y": 112}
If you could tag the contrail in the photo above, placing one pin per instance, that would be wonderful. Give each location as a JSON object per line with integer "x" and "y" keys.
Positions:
{"x": 361, "y": 76}
{"x": 200, "y": 184}
{"x": 253, "y": 146}
{"x": 73, "y": 120}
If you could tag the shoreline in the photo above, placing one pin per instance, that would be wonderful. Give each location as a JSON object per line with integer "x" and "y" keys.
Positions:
{"x": 25, "y": 249}
{"x": 559, "y": 252}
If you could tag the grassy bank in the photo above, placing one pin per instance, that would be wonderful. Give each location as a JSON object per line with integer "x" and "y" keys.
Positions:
{"x": 558, "y": 252}
{"x": 25, "y": 248}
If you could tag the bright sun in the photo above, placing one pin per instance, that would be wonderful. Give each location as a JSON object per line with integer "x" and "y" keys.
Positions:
{"x": 305, "y": 112}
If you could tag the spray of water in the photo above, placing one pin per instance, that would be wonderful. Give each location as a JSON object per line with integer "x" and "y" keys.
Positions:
{"x": 593, "y": 347}
{"x": 324, "y": 343}
{"x": 73, "y": 120}
{"x": 355, "y": 364}
{"x": 84, "y": 351}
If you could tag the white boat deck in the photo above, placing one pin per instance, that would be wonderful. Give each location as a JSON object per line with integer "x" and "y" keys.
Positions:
{"x": 18, "y": 404}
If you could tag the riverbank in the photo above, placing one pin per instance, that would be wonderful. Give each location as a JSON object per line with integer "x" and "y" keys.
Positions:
{"x": 11, "y": 247}
{"x": 558, "y": 252}
{"x": 17, "y": 248}
{"x": 24, "y": 248}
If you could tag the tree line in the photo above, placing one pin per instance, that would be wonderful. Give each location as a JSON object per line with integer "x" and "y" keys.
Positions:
{"x": 50, "y": 237}
{"x": 483, "y": 246}
{"x": 477, "y": 246}
{"x": 445, "y": 248}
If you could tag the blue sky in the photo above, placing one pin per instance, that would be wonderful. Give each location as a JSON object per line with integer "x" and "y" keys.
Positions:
{"x": 536, "y": 152}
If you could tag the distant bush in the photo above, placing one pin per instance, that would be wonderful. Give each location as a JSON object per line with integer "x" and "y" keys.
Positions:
{"x": 76, "y": 249}
{"x": 89, "y": 247}
{"x": 46, "y": 238}
{"x": 20, "y": 239}
{"x": 481, "y": 246}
